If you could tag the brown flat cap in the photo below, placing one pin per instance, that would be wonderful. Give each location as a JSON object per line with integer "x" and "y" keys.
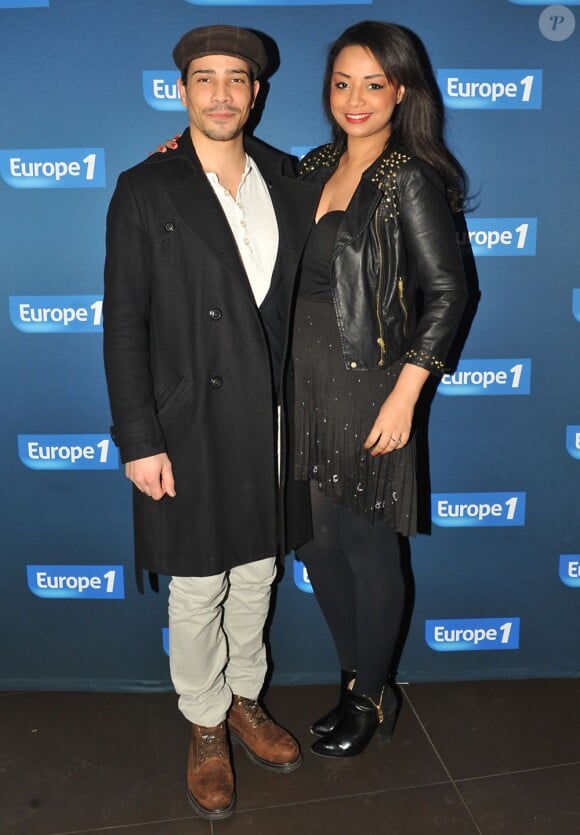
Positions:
{"x": 221, "y": 40}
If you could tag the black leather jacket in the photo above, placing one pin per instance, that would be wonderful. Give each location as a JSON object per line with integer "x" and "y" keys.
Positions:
{"x": 397, "y": 236}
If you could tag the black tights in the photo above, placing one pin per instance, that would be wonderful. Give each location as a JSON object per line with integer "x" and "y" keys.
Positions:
{"x": 355, "y": 571}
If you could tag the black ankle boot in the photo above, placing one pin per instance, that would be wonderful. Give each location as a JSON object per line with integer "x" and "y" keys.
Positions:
{"x": 329, "y": 721}
{"x": 361, "y": 720}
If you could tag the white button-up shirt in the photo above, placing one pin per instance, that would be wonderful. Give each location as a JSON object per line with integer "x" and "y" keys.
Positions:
{"x": 252, "y": 219}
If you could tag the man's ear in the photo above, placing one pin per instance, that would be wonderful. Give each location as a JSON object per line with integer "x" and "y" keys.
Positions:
{"x": 256, "y": 91}
{"x": 182, "y": 91}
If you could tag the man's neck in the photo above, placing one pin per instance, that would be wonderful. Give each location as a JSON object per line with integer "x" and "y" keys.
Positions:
{"x": 226, "y": 159}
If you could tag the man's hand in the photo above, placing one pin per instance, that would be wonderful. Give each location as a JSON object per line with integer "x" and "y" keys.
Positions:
{"x": 152, "y": 476}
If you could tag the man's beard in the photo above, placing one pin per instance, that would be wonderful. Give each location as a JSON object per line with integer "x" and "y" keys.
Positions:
{"x": 223, "y": 137}
{"x": 225, "y": 134}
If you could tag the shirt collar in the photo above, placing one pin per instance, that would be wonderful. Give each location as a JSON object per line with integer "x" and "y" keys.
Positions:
{"x": 249, "y": 167}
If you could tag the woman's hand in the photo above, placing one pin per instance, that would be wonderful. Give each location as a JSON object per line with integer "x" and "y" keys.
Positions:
{"x": 392, "y": 428}
{"x": 170, "y": 144}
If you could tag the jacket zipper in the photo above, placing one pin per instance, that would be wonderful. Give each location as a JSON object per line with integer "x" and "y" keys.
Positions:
{"x": 401, "y": 286}
{"x": 380, "y": 338}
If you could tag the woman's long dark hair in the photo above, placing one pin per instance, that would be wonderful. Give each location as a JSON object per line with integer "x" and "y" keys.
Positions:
{"x": 417, "y": 125}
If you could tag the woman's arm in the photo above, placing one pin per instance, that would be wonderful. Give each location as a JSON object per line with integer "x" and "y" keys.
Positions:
{"x": 435, "y": 262}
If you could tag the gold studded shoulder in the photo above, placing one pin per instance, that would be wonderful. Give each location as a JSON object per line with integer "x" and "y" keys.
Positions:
{"x": 325, "y": 156}
{"x": 384, "y": 177}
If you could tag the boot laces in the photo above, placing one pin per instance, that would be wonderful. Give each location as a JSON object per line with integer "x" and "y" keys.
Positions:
{"x": 211, "y": 745}
{"x": 255, "y": 713}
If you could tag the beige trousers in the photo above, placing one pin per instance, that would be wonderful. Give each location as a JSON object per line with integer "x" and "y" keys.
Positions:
{"x": 216, "y": 643}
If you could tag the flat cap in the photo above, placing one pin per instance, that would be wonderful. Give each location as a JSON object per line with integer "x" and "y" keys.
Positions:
{"x": 221, "y": 40}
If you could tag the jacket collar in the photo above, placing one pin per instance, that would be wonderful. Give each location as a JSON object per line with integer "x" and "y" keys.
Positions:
{"x": 367, "y": 195}
{"x": 325, "y": 159}
{"x": 364, "y": 201}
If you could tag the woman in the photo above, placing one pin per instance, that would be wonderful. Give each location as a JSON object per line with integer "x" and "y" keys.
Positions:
{"x": 361, "y": 355}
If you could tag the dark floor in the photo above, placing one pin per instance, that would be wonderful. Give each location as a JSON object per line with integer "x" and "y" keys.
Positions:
{"x": 471, "y": 757}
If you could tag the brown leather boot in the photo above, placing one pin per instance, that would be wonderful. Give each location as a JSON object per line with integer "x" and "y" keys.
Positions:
{"x": 265, "y": 742}
{"x": 210, "y": 780}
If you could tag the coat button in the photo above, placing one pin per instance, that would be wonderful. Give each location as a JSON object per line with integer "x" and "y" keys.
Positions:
{"x": 215, "y": 313}
{"x": 353, "y": 364}
{"x": 216, "y": 382}
{"x": 170, "y": 226}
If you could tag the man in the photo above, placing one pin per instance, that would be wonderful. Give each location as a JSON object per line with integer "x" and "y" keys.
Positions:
{"x": 203, "y": 244}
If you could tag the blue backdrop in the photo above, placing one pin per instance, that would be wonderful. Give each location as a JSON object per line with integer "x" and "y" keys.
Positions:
{"x": 87, "y": 89}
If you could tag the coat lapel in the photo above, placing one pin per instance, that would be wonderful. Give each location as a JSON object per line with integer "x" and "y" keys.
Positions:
{"x": 199, "y": 209}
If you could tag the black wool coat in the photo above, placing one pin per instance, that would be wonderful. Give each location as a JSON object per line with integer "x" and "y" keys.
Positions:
{"x": 189, "y": 365}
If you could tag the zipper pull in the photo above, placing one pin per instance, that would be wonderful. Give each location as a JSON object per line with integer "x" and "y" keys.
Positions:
{"x": 381, "y": 344}
{"x": 379, "y": 707}
{"x": 401, "y": 288}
